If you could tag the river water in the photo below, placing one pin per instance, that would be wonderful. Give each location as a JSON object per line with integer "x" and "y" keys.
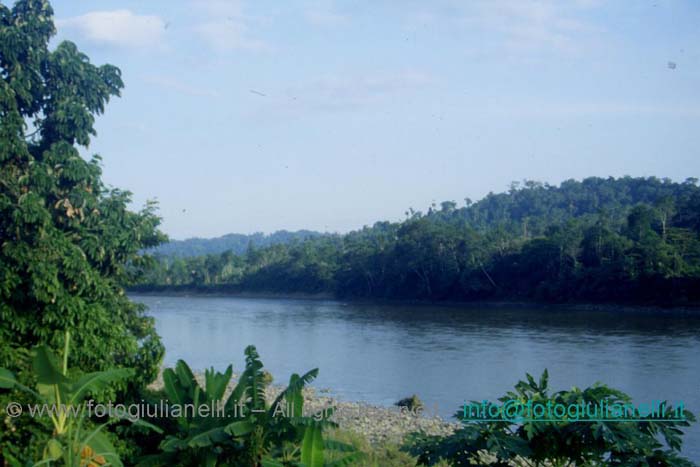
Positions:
{"x": 445, "y": 355}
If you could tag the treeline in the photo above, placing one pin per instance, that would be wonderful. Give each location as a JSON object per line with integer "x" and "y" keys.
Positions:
{"x": 237, "y": 243}
{"x": 622, "y": 240}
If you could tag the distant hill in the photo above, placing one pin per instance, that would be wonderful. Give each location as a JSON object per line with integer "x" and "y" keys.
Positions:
{"x": 238, "y": 243}
{"x": 530, "y": 208}
{"x": 624, "y": 240}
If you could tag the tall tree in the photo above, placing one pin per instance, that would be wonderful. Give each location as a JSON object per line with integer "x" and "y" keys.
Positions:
{"x": 66, "y": 240}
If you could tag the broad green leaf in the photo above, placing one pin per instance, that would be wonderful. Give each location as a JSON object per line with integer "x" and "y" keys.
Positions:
{"x": 186, "y": 377}
{"x": 45, "y": 367}
{"x": 293, "y": 393}
{"x": 172, "y": 389}
{"x": 216, "y": 383}
{"x": 312, "y": 446}
{"x": 172, "y": 444}
{"x": 240, "y": 428}
{"x": 206, "y": 438}
{"x": 7, "y": 379}
{"x": 96, "y": 382}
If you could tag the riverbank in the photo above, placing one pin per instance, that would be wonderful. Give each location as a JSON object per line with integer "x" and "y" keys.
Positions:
{"x": 379, "y": 425}
{"x": 685, "y": 309}
{"x": 225, "y": 292}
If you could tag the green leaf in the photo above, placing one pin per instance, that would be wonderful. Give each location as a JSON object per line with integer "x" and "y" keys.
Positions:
{"x": 544, "y": 380}
{"x": 96, "y": 382}
{"x": 312, "y": 446}
{"x": 215, "y": 384}
{"x": 172, "y": 444}
{"x": 7, "y": 379}
{"x": 186, "y": 377}
{"x": 350, "y": 459}
{"x": 240, "y": 428}
{"x": 45, "y": 367}
{"x": 293, "y": 394}
{"x": 272, "y": 463}
{"x": 206, "y": 438}
{"x": 172, "y": 389}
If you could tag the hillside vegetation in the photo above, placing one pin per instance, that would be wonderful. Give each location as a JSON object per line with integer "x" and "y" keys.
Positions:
{"x": 237, "y": 243}
{"x": 600, "y": 239}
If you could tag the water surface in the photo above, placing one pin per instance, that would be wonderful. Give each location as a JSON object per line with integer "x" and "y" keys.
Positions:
{"x": 446, "y": 355}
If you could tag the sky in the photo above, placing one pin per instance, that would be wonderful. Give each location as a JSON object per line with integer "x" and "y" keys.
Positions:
{"x": 258, "y": 115}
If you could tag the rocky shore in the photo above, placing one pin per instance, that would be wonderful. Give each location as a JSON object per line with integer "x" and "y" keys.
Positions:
{"x": 377, "y": 424}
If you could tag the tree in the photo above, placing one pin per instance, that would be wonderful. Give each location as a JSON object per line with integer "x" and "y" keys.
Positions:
{"x": 593, "y": 240}
{"x": 666, "y": 208}
{"x": 67, "y": 241}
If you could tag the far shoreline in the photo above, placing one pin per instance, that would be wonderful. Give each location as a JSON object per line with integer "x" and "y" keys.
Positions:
{"x": 636, "y": 308}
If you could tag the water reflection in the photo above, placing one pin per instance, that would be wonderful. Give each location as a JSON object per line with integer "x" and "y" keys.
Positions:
{"x": 380, "y": 353}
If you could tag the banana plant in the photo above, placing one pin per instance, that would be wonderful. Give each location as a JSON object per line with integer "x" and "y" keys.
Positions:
{"x": 75, "y": 440}
{"x": 245, "y": 430}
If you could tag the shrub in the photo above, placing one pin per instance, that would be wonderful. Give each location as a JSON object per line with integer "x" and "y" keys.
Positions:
{"x": 246, "y": 431}
{"x": 500, "y": 441}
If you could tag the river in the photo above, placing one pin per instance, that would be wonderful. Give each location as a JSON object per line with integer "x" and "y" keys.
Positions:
{"x": 445, "y": 355}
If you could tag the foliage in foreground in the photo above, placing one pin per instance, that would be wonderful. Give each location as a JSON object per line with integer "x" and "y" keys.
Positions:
{"x": 65, "y": 237}
{"x": 247, "y": 431}
{"x": 499, "y": 442}
{"x": 239, "y": 428}
{"x": 381, "y": 455}
{"x": 74, "y": 440}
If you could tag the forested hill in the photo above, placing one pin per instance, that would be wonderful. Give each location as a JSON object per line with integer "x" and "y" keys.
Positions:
{"x": 610, "y": 240}
{"x": 237, "y": 243}
{"x": 532, "y": 206}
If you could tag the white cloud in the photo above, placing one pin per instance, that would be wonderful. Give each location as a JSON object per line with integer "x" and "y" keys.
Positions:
{"x": 529, "y": 24}
{"x": 224, "y": 26}
{"x": 228, "y": 34}
{"x": 519, "y": 26}
{"x": 117, "y": 27}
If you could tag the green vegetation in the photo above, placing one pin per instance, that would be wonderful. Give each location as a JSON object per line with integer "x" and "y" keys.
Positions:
{"x": 383, "y": 455}
{"x": 244, "y": 430}
{"x": 236, "y": 243}
{"x": 239, "y": 427}
{"x": 68, "y": 244}
{"x": 499, "y": 442}
{"x": 65, "y": 238}
{"x": 74, "y": 439}
{"x": 600, "y": 240}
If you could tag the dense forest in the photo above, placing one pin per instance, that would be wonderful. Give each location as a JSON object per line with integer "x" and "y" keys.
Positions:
{"x": 596, "y": 240}
{"x": 237, "y": 243}
{"x": 80, "y": 355}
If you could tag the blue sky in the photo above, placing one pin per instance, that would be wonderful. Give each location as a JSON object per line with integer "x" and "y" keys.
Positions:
{"x": 243, "y": 116}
